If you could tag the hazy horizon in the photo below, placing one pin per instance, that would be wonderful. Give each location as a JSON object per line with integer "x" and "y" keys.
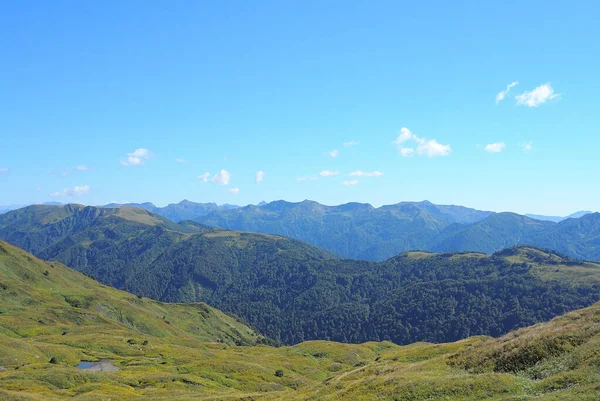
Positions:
{"x": 16, "y": 206}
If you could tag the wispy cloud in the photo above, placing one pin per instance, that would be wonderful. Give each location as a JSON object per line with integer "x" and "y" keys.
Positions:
{"x": 334, "y": 153}
{"x": 234, "y": 190}
{"x": 222, "y": 177}
{"x": 81, "y": 168}
{"x": 539, "y": 95}
{"x": 77, "y": 190}
{"x": 359, "y": 173}
{"x": 407, "y": 152}
{"x": 3, "y": 170}
{"x": 179, "y": 160}
{"x": 347, "y": 183}
{"x": 136, "y": 158}
{"x": 424, "y": 147}
{"x": 203, "y": 177}
{"x": 351, "y": 143}
{"x": 495, "y": 147}
{"x": 305, "y": 178}
{"x": 501, "y": 95}
{"x": 328, "y": 173}
{"x": 527, "y": 146}
{"x": 259, "y": 176}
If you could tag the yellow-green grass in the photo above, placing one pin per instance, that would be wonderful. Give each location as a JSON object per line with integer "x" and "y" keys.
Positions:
{"x": 138, "y": 215}
{"x": 49, "y": 322}
{"x": 548, "y": 266}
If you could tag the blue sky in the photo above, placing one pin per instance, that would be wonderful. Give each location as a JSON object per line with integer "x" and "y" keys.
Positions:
{"x": 137, "y": 100}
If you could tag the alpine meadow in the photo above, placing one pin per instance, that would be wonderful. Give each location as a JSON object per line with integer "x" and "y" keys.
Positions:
{"x": 321, "y": 201}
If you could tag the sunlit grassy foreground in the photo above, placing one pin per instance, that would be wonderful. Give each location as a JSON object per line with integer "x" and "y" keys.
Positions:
{"x": 52, "y": 318}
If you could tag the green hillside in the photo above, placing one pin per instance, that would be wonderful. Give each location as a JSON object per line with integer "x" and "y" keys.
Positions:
{"x": 498, "y": 231}
{"x": 579, "y": 237}
{"x": 117, "y": 244}
{"x": 352, "y": 230}
{"x": 294, "y": 292}
{"x": 47, "y": 298}
{"x": 184, "y": 210}
{"x": 360, "y": 231}
{"x": 52, "y": 319}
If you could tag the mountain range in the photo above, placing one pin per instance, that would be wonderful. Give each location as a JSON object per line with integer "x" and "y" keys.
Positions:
{"x": 65, "y": 336}
{"x": 360, "y": 231}
{"x": 557, "y": 219}
{"x": 292, "y": 291}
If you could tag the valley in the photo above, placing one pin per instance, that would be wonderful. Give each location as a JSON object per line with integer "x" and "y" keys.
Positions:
{"x": 293, "y": 292}
{"x": 52, "y": 318}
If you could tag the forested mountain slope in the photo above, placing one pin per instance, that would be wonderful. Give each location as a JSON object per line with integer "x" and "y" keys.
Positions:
{"x": 352, "y": 230}
{"x": 50, "y": 299}
{"x": 579, "y": 237}
{"x": 361, "y": 231}
{"x": 498, "y": 231}
{"x": 294, "y": 292}
{"x": 184, "y": 210}
{"x": 52, "y": 319}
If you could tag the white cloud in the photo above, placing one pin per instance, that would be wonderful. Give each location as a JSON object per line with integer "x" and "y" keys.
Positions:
{"x": 495, "y": 147}
{"x": 334, "y": 153}
{"x": 259, "y": 176}
{"x": 179, "y": 160}
{"x": 81, "y": 168}
{"x": 351, "y": 143}
{"x": 3, "y": 170}
{"x": 222, "y": 177}
{"x": 359, "y": 173}
{"x": 203, "y": 177}
{"x": 353, "y": 182}
{"x": 538, "y": 96}
{"x": 527, "y": 146}
{"x": 407, "y": 152}
{"x": 501, "y": 95}
{"x": 328, "y": 173}
{"x": 137, "y": 157}
{"x": 78, "y": 190}
{"x": 405, "y": 135}
{"x": 75, "y": 191}
{"x": 424, "y": 147}
{"x": 306, "y": 178}
{"x": 234, "y": 190}
{"x": 433, "y": 148}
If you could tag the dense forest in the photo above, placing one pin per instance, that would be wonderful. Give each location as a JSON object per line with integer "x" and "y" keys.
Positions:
{"x": 360, "y": 231}
{"x": 409, "y": 298}
{"x": 292, "y": 291}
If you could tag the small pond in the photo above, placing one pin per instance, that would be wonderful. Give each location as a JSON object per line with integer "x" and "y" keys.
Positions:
{"x": 103, "y": 365}
{"x": 85, "y": 365}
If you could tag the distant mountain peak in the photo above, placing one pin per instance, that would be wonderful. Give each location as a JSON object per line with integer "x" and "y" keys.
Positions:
{"x": 579, "y": 214}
